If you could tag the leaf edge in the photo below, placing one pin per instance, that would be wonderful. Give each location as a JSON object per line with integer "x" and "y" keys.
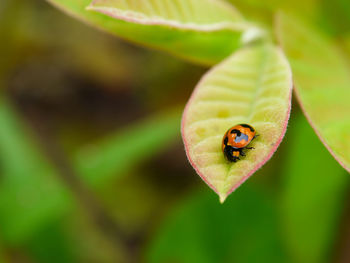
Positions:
{"x": 218, "y": 26}
{"x": 250, "y": 27}
{"x": 205, "y": 28}
{"x": 300, "y": 101}
{"x": 315, "y": 128}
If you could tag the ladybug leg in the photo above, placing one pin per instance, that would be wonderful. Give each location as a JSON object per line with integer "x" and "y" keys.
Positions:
{"x": 249, "y": 148}
{"x": 241, "y": 153}
{"x": 234, "y": 159}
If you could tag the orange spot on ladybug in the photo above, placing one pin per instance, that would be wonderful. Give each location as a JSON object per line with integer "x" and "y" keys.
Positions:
{"x": 236, "y": 154}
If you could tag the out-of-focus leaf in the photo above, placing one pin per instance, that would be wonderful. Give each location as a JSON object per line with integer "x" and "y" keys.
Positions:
{"x": 51, "y": 244}
{"x": 75, "y": 237}
{"x": 322, "y": 83}
{"x": 2, "y": 257}
{"x": 335, "y": 16}
{"x": 313, "y": 195}
{"x": 204, "y": 31}
{"x": 118, "y": 153}
{"x": 245, "y": 230}
{"x": 253, "y": 86}
{"x": 89, "y": 242}
{"x": 263, "y": 11}
{"x": 24, "y": 25}
{"x": 30, "y": 193}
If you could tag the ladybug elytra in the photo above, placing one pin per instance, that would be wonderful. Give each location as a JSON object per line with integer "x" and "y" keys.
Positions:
{"x": 236, "y": 139}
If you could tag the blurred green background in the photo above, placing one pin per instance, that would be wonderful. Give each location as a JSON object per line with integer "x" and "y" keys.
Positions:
{"x": 92, "y": 167}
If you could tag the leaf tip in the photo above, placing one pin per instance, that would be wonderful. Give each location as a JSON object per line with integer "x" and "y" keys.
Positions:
{"x": 222, "y": 198}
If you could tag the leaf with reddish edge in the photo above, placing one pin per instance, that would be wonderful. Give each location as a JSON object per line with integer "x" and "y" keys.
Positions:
{"x": 252, "y": 86}
{"x": 198, "y": 15}
{"x": 309, "y": 193}
{"x": 212, "y": 33}
{"x": 322, "y": 79}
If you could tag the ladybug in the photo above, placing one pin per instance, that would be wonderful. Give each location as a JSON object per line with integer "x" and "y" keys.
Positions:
{"x": 236, "y": 139}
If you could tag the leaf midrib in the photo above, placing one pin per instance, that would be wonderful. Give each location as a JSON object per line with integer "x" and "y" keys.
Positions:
{"x": 259, "y": 81}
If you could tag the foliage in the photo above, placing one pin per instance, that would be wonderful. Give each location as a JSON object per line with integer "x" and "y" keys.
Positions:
{"x": 322, "y": 80}
{"x": 31, "y": 194}
{"x": 306, "y": 200}
{"x": 166, "y": 17}
{"x": 118, "y": 187}
{"x": 118, "y": 153}
{"x": 253, "y": 86}
{"x": 191, "y": 234}
{"x": 180, "y": 37}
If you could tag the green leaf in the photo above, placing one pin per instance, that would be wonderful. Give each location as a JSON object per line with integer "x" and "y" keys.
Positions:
{"x": 52, "y": 240}
{"x": 253, "y": 86}
{"x": 245, "y": 229}
{"x": 202, "y": 31}
{"x": 335, "y": 16}
{"x": 313, "y": 196}
{"x": 31, "y": 194}
{"x": 198, "y": 15}
{"x": 322, "y": 83}
{"x": 116, "y": 154}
